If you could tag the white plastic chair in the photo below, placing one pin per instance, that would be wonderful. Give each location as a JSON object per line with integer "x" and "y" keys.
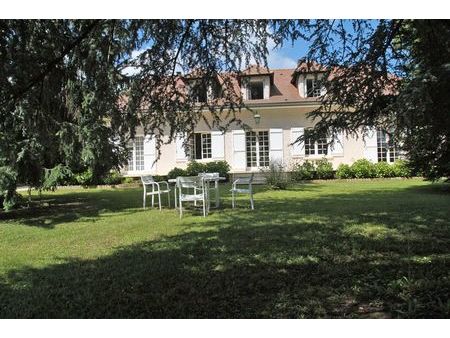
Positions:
{"x": 235, "y": 190}
{"x": 148, "y": 181}
{"x": 207, "y": 183}
{"x": 192, "y": 189}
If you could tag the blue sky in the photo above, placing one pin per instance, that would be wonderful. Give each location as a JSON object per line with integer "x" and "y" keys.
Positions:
{"x": 288, "y": 55}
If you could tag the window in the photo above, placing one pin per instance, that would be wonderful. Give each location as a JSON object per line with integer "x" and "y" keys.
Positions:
{"x": 317, "y": 146}
{"x": 200, "y": 146}
{"x": 198, "y": 91}
{"x": 313, "y": 88}
{"x": 136, "y": 154}
{"x": 255, "y": 90}
{"x": 386, "y": 149}
{"x": 257, "y": 146}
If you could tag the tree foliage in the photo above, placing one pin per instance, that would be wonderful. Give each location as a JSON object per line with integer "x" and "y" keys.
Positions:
{"x": 393, "y": 74}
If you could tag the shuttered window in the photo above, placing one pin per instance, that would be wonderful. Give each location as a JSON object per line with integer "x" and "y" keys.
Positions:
{"x": 257, "y": 148}
{"x": 136, "y": 154}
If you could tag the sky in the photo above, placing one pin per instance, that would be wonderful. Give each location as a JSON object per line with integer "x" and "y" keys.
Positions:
{"x": 287, "y": 56}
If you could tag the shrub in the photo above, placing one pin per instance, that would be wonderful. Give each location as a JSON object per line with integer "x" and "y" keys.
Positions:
{"x": 175, "y": 172}
{"x": 363, "y": 169}
{"x": 344, "y": 171}
{"x": 302, "y": 172}
{"x": 401, "y": 169}
{"x": 128, "y": 180}
{"x": 221, "y": 167}
{"x": 8, "y": 196}
{"x": 113, "y": 178}
{"x": 275, "y": 176}
{"x": 324, "y": 169}
{"x": 85, "y": 178}
{"x": 194, "y": 168}
{"x": 384, "y": 169}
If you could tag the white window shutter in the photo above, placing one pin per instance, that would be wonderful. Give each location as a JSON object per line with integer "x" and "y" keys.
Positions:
{"x": 337, "y": 147}
{"x": 239, "y": 158}
{"x": 266, "y": 82}
{"x": 301, "y": 84}
{"x": 217, "y": 145}
{"x": 297, "y": 149}
{"x": 149, "y": 153}
{"x": 276, "y": 145}
{"x": 180, "y": 150}
{"x": 370, "y": 145}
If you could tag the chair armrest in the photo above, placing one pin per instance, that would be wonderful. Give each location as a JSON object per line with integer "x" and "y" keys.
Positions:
{"x": 164, "y": 182}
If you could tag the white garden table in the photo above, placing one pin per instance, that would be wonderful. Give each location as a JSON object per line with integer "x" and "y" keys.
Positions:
{"x": 207, "y": 180}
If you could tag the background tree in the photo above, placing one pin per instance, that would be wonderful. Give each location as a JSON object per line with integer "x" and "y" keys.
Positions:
{"x": 393, "y": 74}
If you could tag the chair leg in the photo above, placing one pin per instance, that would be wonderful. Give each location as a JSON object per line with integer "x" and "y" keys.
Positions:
{"x": 204, "y": 208}
{"x": 143, "y": 200}
{"x": 168, "y": 199}
{"x": 153, "y": 200}
{"x": 181, "y": 208}
{"x": 252, "y": 203}
{"x": 233, "y": 196}
{"x": 159, "y": 200}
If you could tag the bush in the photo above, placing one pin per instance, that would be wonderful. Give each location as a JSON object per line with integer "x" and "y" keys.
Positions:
{"x": 85, "y": 178}
{"x": 324, "y": 169}
{"x": 344, "y": 171}
{"x": 401, "y": 169}
{"x": 194, "y": 168}
{"x": 384, "y": 169}
{"x": 363, "y": 169}
{"x": 113, "y": 178}
{"x": 302, "y": 172}
{"x": 8, "y": 196}
{"x": 221, "y": 167}
{"x": 128, "y": 180}
{"x": 275, "y": 176}
{"x": 175, "y": 172}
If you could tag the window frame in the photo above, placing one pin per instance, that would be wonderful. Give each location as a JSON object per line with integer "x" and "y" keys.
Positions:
{"x": 318, "y": 147}
{"x": 136, "y": 162}
{"x": 258, "y": 156}
{"x": 386, "y": 149}
{"x": 249, "y": 89}
{"x": 205, "y": 146}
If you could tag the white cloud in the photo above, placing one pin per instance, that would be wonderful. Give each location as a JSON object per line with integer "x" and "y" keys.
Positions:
{"x": 132, "y": 70}
{"x": 277, "y": 59}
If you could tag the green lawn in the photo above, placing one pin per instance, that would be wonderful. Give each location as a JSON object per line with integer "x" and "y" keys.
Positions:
{"x": 336, "y": 249}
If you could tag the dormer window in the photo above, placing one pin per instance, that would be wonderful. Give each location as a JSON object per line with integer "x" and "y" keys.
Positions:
{"x": 255, "y": 90}
{"x": 199, "y": 93}
{"x": 313, "y": 88}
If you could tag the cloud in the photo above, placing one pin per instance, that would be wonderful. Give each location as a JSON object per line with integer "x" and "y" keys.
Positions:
{"x": 129, "y": 71}
{"x": 277, "y": 59}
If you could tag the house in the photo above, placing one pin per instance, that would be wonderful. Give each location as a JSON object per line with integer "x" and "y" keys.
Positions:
{"x": 280, "y": 100}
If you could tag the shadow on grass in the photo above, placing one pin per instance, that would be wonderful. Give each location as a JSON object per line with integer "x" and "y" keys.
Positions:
{"x": 382, "y": 253}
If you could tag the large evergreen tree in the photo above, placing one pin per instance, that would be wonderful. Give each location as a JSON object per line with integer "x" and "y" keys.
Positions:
{"x": 73, "y": 91}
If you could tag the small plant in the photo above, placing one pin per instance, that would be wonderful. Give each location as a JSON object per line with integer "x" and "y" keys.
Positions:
{"x": 221, "y": 167}
{"x": 401, "y": 169}
{"x": 384, "y": 169}
{"x": 275, "y": 176}
{"x": 344, "y": 171}
{"x": 363, "y": 169}
{"x": 85, "y": 178}
{"x": 324, "y": 169}
{"x": 175, "y": 172}
{"x": 113, "y": 178}
{"x": 303, "y": 172}
{"x": 194, "y": 168}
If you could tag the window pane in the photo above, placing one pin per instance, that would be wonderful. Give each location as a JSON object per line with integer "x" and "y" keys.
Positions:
{"x": 381, "y": 146}
{"x": 313, "y": 88}
{"x": 139, "y": 152}
{"x": 206, "y": 145}
{"x": 309, "y": 144}
{"x": 256, "y": 90}
{"x": 322, "y": 146}
{"x": 198, "y": 146}
{"x": 250, "y": 141}
{"x": 263, "y": 140}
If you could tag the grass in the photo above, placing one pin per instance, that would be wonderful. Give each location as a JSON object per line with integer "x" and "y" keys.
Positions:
{"x": 359, "y": 249}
